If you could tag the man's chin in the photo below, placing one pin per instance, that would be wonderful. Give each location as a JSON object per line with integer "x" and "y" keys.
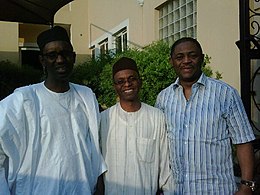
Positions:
{"x": 130, "y": 98}
{"x": 63, "y": 75}
{"x": 190, "y": 78}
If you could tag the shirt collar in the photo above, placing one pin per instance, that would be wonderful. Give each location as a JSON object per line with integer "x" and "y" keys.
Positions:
{"x": 201, "y": 81}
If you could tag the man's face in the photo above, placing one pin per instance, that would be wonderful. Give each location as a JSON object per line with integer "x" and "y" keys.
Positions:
{"x": 127, "y": 85}
{"x": 186, "y": 60}
{"x": 58, "y": 59}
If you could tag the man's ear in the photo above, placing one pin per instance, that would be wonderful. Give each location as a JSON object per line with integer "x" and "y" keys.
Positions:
{"x": 42, "y": 63}
{"x": 114, "y": 86}
{"x": 202, "y": 60}
{"x": 74, "y": 57}
{"x": 170, "y": 60}
{"x": 40, "y": 57}
{"x": 140, "y": 81}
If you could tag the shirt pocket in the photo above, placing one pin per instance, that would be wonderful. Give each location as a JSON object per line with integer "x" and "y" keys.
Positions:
{"x": 146, "y": 149}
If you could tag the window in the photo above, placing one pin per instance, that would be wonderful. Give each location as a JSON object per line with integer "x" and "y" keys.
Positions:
{"x": 103, "y": 46}
{"x": 177, "y": 18}
{"x": 112, "y": 41}
{"x": 121, "y": 40}
{"x": 93, "y": 52}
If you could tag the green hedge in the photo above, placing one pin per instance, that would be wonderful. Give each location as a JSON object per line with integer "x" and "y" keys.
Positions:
{"x": 155, "y": 70}
{"x": 13, "y": 76}
{"x": 153, "y": 63}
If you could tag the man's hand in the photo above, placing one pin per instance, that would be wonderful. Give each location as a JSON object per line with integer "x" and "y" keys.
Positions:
{"x": 244, "y": 190}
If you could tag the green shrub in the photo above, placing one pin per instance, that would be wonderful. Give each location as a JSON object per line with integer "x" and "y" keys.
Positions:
{"x": 155, "y": 71}
{"x": 88, "y": 72}
{"x": 153, "y": 64}
{"x": 13, "y": 76}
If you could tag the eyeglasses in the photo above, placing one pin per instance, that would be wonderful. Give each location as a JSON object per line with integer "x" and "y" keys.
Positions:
{"x": 123, "y": 81}
{"x": 54, "y": 55}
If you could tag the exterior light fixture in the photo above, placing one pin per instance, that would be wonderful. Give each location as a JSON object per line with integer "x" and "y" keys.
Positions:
{"x": 141, "y": 2}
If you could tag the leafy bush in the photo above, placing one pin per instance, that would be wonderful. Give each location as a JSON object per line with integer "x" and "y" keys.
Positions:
{"x": 152, "y": 61}
{"x": 154, "y": 68}
{"x": 88, "y": 72}
{"x": 13, "y": 76}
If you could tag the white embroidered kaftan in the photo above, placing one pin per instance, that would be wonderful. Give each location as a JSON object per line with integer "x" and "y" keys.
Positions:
{"x": 135, "y": 149}
{"x": 49, "y": 142}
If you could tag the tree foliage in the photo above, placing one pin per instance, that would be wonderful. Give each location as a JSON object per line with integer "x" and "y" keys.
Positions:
{"x": 14, "y": 76}
{"x": 154, "y": 68}
{"x": 152, "y": 61}
{"x": 88, "y": 73}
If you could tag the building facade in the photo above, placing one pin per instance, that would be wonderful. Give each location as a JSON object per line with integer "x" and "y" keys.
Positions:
{"x": 99, "y": 26}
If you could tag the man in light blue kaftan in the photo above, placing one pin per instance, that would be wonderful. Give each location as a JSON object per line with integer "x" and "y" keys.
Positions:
{"x": 49, "y": 131}
{"x": 204, "y": 117}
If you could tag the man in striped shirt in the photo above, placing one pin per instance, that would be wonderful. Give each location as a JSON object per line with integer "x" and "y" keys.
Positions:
{"x": 204, "y": 117}
{"x": 133, "y": 138}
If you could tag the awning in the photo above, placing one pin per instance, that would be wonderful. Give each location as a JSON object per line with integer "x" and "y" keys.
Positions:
{"x": 30, "y": 11}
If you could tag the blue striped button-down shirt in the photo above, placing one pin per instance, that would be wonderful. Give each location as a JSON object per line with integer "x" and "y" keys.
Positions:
{"x": 200, "y": 132}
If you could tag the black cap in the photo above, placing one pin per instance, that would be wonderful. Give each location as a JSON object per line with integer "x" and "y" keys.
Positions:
{"x": 123, "y": 64}
{"x": 56, "y": 33}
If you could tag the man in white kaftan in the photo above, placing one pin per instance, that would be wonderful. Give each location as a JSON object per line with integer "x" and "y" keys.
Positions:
{"x": 134, "y": 146}
{"x": 49, "y": 141}
{"x": 133, "y": 139}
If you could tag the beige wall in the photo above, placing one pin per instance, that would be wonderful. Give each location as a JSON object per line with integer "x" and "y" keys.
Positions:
{"x": 9, "y": 36}
{"x": 217, "y": 31}
{"x": 75, "y": 14}
{"x": 9, "y": 41}
{"x": 217, "y": 28}
{"x": 28, "y": 33}
{"x": 105, "y": 15}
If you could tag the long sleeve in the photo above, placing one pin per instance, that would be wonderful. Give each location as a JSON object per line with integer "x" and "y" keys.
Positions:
{"x": 3, "y": 182}
{"x": 164, "y": 157}
{"x": 11, "y": 139}
{"x": 165, "y": 174}
{"x": 90, "y": 101}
